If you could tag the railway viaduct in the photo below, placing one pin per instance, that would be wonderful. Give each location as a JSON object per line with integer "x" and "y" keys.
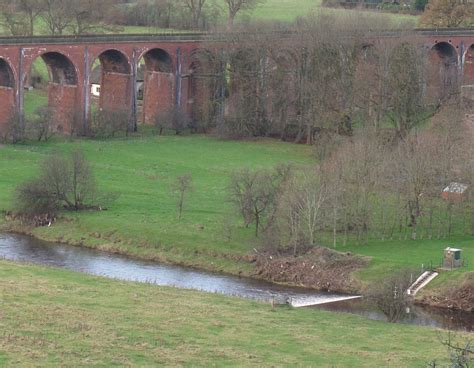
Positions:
{"x": 170, "y": 76}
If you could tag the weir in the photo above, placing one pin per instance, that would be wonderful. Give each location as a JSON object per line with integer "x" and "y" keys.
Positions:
{"x": 309, "y": 301}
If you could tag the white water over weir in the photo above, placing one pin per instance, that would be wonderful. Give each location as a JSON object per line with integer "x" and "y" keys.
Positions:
{"x": 307, "y": 301}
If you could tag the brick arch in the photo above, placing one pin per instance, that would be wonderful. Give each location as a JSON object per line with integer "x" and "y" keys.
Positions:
{"x": 7, "y": 93}
{"x": 443, "y": 61}
{"x": 159, "y": 85}
{"x": 114, "y": 61}
{"x": 63, "y": 87}
{"x": 61, "y": 69}
{"x": 115, "y": 80}
{"x": 202, "y": 88}
{"x": 7, "y": 75}
{"x": 444, "y": 52}
{"x": 158, "y": 60}
{"x": 469, "y": 66}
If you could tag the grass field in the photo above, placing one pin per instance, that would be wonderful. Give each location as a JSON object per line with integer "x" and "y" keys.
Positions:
{"x": 51, "y": 317}
{"x": 269, "y": 10}
{"x": 289, "y": 10}
{"x": 143, "y": 220}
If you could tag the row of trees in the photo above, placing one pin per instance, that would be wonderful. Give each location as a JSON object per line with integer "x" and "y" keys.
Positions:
{"x": 25, "y": 17}
{"x": 363, "y": 189}
{"x": 325, "y": 74}
{"x": 22, "y": 17}
{"x": 187, "y": 14}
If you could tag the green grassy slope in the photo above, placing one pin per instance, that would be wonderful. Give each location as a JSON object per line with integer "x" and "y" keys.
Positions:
{"x": 268, "y": 10}
{"x": 143, "y": 220}
{"x": 289, "y": 10}
{"x": 52, "y": 317}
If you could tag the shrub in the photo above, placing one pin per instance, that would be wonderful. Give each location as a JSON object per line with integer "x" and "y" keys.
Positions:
{"x": 64, "y": 182}
{"x": 173, "y": 118}
{"x": 107, "y": 123}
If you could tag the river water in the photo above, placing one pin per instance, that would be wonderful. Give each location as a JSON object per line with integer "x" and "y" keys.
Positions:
{"x": 26, "y": 249}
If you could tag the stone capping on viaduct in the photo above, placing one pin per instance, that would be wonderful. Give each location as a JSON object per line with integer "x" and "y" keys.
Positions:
{"x": 198, "y": 36}
{"x": 112, "y": 38}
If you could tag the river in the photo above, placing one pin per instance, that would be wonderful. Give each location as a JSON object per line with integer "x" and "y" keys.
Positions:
{"x": 26, "y": 249}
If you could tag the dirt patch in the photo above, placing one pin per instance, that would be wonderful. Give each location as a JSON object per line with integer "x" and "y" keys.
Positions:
{"x": 320, "y": 268}
{"x": 455, "y": 297}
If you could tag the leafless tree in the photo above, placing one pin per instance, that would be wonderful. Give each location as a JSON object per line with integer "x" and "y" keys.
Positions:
{"x": 235, "y": 6}
{"x": 64, "y": 182}
{"x": 255, "y": 194}
{"x": 461, "y": 353}
{"x": 195, "y": 7}
{"x": 302, "y": 208}
{"x": 57, "y": 16}
{"x": 390, "y": 296}
{"x": 14, "y": 130}
{"x": 448, "y": 14}
{"x": 182, "y": 186}
{"x": 19, "y": 16}
{"x": 42, "y": 127}
{"x": 107, "y": 123}
{"x": 173, "y": 118}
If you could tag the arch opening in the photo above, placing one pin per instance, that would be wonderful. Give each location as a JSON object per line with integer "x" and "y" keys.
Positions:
{"x": 155, "y": 86}
{"x": 469, "y": 66}
{"x": 110, "y": 92}
{"x": 51, "y": 92}
{"x": 204, "y": 95}
{"x": 7, "y": 78}
{"x": 443, "y": 74}
{"x": 158, "y": 60}
{"x": 61, "y": 69}
{"x": 114, "y": 61}
{"x": 444, "y": 53}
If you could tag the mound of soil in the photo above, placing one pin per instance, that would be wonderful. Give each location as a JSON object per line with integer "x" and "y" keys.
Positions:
{"x": 320, "y": 268}
{"x": 461, "y": 297}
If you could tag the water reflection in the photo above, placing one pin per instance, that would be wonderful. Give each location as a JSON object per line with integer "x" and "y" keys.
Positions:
{"x": 26, "y": 249}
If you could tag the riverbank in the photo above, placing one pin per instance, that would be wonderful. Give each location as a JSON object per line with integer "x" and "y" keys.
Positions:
{"x": 322, "y": 269}
{"x": 57, "y": 317}
{"x": 142, "y": 222}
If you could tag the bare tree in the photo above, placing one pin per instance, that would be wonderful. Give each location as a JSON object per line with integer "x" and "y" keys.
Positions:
{"x": 42, "y": 127}
{"x": 302, "y": 207}
{"x": 461, "y": 353}
{"x": 64, "y": 182}
{"x": 235, "y": 6}
{"x": 173, "y": 118}
{"x": 195, "y": 7}
{"x": 448, "y": 14}
{"x": 14, "y": 130}
{"x": 390, "y": 296}
{"x": 57, "y": 16}
{"x": 19, "y": 16}
{"x": 107, "y": 123}
{"x": 182, "y": 186}
{"x": 255, "y": 194}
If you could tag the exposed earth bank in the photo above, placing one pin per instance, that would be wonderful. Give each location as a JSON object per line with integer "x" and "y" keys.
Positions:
{"x": 320, "y": 268}
{"x": 453, "y": 297}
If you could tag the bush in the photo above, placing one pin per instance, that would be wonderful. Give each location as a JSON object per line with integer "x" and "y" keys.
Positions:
{"x": 64, "y": 182}
{"x": 390, "y": 295}
{"x": 107, "y": 123}
{"x": 14, "y": 130}
{"x": 42, "y": 127}
{"x": 174, "y": 118}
